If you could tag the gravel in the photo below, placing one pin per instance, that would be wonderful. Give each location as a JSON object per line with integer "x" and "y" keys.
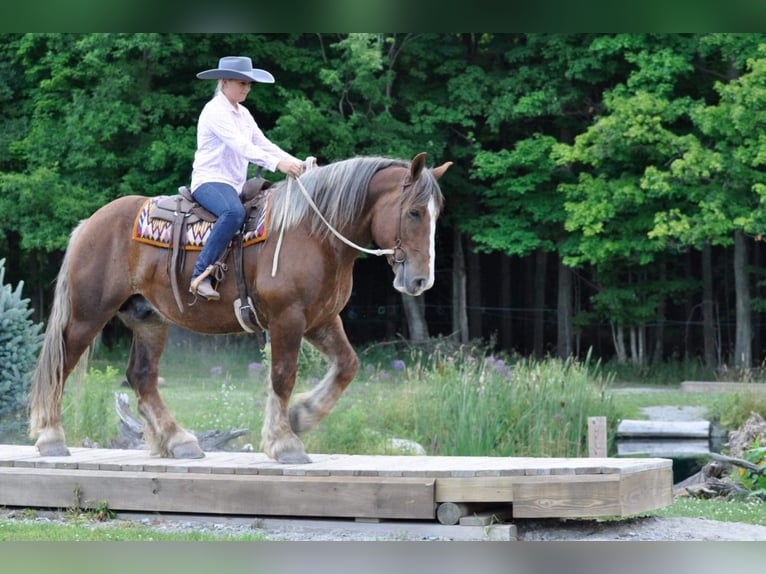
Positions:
{"x": 632, "y": 529}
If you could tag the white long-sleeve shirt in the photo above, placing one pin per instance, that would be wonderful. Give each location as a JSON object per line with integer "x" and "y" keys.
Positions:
{"x": 228, "y": 139}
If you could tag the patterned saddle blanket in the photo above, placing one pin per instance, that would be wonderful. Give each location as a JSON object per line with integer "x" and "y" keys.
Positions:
{"x": 155, "y": 220}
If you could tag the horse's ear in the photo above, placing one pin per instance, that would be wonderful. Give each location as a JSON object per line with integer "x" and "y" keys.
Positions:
{"x": 439, "y": 171}
{"x": 418, "y": 164}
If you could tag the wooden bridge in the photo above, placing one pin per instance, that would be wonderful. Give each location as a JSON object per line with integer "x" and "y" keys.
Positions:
{"x": 447, "y": 489}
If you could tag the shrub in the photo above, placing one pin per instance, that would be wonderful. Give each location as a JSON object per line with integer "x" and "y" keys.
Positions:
{"x": 20, "y": 341}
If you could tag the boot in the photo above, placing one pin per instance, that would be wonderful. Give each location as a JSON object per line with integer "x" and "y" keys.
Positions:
{"x": 204, "y": 289}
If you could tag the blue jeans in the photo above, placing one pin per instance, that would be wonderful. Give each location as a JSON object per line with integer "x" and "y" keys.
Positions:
{"x": 222, "y": 200}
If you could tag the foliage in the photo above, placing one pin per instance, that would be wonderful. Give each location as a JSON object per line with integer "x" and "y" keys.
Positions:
{"x": 753, "y": 480}
{"x": 735, "y": 408}
{"x": 20, "y": 339}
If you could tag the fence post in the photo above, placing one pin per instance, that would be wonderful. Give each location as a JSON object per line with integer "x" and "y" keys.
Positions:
{"x": 597, "y": 437}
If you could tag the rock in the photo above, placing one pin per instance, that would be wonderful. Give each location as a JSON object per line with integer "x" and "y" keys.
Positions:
{"x": 741, "y": 440}
{"x": 405, "y": 446}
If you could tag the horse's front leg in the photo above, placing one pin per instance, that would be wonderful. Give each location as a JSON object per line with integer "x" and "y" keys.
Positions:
{"x": 164, "y": 436}
{"x": 277, "y": 437}
{"x": 311, "y": 407}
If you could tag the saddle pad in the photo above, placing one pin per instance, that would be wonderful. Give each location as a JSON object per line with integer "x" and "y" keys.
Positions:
{"x": 159, "y": 232}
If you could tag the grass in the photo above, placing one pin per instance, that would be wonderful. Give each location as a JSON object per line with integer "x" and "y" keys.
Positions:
{"x": 26, "y": 531}
{"x": 723, "y": 510}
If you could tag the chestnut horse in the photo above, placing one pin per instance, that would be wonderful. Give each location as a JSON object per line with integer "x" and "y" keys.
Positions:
{"x": 104, "y": 273}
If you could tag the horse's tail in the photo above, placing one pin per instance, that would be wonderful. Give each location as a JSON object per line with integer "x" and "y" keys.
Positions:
{"x": 47, "y": 387}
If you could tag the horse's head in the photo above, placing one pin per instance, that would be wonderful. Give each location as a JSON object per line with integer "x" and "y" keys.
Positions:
{"x": 408, "y": 222}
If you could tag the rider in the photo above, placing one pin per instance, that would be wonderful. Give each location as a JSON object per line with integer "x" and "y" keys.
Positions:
{"x": 228, "y": 140}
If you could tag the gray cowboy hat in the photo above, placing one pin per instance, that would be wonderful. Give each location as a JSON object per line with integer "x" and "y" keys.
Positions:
{"x": 237, "y": 68}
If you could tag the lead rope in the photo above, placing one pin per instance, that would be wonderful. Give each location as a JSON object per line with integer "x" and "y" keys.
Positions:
{"x": 309, "y": 165}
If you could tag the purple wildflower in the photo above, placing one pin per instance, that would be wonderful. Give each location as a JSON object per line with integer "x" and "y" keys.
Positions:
{"x": 397, "y": 365}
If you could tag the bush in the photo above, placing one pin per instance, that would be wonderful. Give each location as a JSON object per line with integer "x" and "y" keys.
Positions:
{"x": 20, "y": 341}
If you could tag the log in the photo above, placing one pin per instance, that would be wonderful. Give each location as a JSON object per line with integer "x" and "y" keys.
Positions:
{"x": 450, "y": 513}
{"x": 131, "y": 430}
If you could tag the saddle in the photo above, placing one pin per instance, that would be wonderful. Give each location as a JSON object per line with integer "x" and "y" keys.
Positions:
{"x": 182, "y": 211}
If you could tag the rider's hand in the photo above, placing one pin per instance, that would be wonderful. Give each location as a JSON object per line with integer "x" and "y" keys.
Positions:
{"x": 290, "y": 167}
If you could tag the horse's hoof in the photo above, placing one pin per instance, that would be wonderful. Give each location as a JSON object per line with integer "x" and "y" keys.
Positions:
{"x": 293, "y": 458}
{"x": 187, "y": 450}
{"x": 53, "y": 449}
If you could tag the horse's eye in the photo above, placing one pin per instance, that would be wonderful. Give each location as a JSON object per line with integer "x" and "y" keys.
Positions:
{"x": 414, "y": 213}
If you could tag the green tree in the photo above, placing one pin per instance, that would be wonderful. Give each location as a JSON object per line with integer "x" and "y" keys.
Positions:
{"x": 714, "y": 186}
{"x": 607, "y": 208}
{"x": 20, "y": 341}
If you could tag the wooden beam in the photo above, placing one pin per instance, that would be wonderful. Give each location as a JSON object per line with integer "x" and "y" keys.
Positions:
{"x": 663, "y": 429}
{"x": 597, "y": 437}
{"x": 580, "y": 497}
{"x": 644, "y": 491}
{"x": 352, "y": 497}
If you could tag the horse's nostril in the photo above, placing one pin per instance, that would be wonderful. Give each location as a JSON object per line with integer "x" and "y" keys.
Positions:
{"x": 419, "y": 284}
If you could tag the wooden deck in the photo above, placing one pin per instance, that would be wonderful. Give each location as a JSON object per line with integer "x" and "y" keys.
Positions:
{"x": 351, "y": 486}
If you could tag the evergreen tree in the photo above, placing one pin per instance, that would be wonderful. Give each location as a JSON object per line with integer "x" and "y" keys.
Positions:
{"x": 20, "y": 341}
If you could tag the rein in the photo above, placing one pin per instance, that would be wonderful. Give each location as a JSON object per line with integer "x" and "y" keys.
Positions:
{"x": 397, "y": 248}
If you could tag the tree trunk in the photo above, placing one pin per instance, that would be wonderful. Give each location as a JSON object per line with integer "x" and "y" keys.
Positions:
{"x": 618, "y": 338}
{"x": 708, "y": 319}
{"x": 743, "y": 339}
{"x": 538, "y": 313}
{"x": 473, "y": 284}
{"x": 658, "y": 349}
{"x": 564, "y": 311}
{"x": 415, "y": 312}
{"x": 506, "y": 301}
{"x": 459, "y": 311}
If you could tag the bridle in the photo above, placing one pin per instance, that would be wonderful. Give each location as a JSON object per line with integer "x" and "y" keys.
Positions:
{"x": 406, "y": 182}
{"x": 397, "y": 252}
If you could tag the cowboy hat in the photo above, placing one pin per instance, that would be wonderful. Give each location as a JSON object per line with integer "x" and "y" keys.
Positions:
{"x": 237, "y": 68}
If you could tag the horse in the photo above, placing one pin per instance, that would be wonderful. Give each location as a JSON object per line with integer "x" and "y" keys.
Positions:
{"x": 392, "y": 203}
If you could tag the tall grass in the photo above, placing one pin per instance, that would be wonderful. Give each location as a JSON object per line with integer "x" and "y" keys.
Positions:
{"x": 88, "y": 407}
{"x": 452, "y": 399}
{"x": 472, "y": 405}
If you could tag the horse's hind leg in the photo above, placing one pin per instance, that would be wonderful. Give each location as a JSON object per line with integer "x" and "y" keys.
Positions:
{"x": 62, "y": 350}
{"x": 311, "y": 407}
{"x": 163, "y": 434}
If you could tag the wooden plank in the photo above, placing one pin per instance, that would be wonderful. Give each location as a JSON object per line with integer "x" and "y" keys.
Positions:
{"x": 661, "y": 447}
{"x": 475, "y": 489}
{"x": 405, "y": 498}
{"x": 583, "y": 496}
{"x": 597, "y": 437}
{"x": 663, "y": 429}
{"x": 645, "y": 491}
{"x": 340, "y": 465}
{"x": 722, "y": 387}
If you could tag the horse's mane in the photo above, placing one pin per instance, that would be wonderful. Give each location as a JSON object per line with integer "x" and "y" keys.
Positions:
{"x": 338, "y": 189}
